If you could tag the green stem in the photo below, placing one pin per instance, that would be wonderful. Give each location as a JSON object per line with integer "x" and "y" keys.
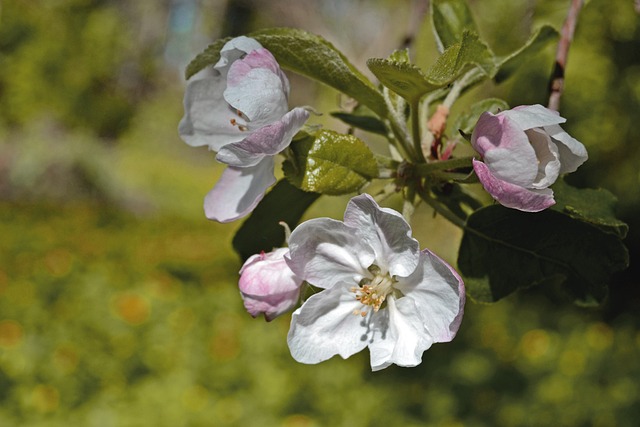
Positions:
{"x": 415, "y": 130}
{"x": 446, "y": 213}
{"x": 428, "y": 168}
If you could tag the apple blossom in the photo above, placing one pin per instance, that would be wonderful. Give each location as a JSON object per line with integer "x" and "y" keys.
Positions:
{"x": 524, "y": 151}
{"x": 268, "y": 286}
{"x": 379, "y": 290}
{"x": 241, "y": 112}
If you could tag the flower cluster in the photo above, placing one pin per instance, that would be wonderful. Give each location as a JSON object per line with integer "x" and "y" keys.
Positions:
{"x": 377, "y": 288}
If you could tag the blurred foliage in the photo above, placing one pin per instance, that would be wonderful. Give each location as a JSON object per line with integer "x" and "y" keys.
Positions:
{"x": 118, "y": 301}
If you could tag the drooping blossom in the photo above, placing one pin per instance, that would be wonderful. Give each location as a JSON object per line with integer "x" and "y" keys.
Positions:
{"x": 268, "y": 286}
{"x": 241, "y": 112}
{"x": 379, "y": 290}
{"x": 524, "y": 151}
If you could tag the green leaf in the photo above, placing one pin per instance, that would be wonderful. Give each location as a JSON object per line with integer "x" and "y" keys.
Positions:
{"x": 262, "y": 231}
{"x": 471, "y": 51}
{"x": 593, "y": 206}
{"x": 538, "y": 41}
{"x": 330, "y": 163}
{"x": 207, "y": 57}
{"x": 309, "y": 55}
{"x": 503, "y": 250}
{"x": 407, "y": 80}
{"x": 361, "y": 120}
{"x": 450, "y": 18}
{"x": 315, "y": 57}
{"x": 467, "y": 120}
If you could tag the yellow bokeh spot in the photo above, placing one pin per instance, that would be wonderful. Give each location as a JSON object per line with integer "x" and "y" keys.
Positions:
{"x": 535, "y": 344}
{"x": 11, "y": 333}
{"x": 58, "y": 262}
{"x": 298, "y": 420}
{"x": 65, "y": 358}
{"x": 195, "y": 398}
{"x": 132, "y": 308}
{"x": 599, "y": 336}
{"x": 571, "y": 362}
{"x": 45, "y": 398}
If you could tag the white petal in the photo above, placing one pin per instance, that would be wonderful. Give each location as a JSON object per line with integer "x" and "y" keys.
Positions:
{"x": 387, "y": 232}
{"x": 531, "y": 116}
{"x": 506, "y": 149}
{"x": 404, "y": 338}
{"x": 256, "y": 88}
{"x": 325, "y": 325}
{"x": 324, "y": 251}
{"x": 438, "y": 294}
{"x": 268, "y": 140}
{"x": 547, "y": 155}
{"x": 233, "y": 50}
{"x": 207, "y": 116}
{"x": 238, "y": 191}
{"x": 572, "y": 152}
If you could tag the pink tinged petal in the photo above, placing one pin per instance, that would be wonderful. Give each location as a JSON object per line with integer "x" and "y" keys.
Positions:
{"x": 511, "y": 195}
{"x": 386, "y": 232}
{"x": 326, "y": 326}
{"x": 258, "y": 93}
{"x": 438, "y": 294}
{"x": 238, "y": 191}
{"x": 505, "y": 149}
{"x": 260, "y": 58}
{"x": 207, "y": 117}
{"x": 532, "y": 116}
{"x": 268, "y": 140}
{"x": 267, "y": 284}
{"x": 572, "y": 152}
{"x": 547, "y": 155}
{"x": 324, "y": 251}
{"x": 233, "y": 50}
{"x": 401, "y": 337}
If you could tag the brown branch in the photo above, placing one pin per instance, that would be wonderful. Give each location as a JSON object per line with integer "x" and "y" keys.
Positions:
{"x": 418, "y": 10}
{"x": 556, "y": 84}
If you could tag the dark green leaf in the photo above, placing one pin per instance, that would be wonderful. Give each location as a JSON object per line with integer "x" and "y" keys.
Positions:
{"x": 361, "y": 121}
{"x": 450, "y": 18}
{"x": 309, "y": 55}
{"x": 262, "y": 231}
{"x": 330, "y": 163}
{"x": 538, "y": 41}
{"x": 466, "y": 121}
{"x": 503, "y": 250}
{"x": 594, "y": 206}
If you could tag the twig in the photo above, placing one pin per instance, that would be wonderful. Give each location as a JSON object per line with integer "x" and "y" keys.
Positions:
{"x": 418, "y": 10}
{"x": 556, "y": 85}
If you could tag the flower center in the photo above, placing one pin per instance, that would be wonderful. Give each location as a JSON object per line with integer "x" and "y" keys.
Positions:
{"x": 373, "y": 291}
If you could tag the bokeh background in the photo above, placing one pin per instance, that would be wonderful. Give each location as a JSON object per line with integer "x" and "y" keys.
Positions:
{"x": 119, "y": 302}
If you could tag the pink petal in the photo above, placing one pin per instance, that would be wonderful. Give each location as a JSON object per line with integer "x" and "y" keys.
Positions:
{"x": 505, "y": 148}
{"x": 259, "y": 93}
{"x": 238, "y": 191}
{"x": 511, "y": 195}
{"x": 268, "y": 140}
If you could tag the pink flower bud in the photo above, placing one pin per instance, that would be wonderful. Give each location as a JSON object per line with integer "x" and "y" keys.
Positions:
{"x": 268, "y": 286}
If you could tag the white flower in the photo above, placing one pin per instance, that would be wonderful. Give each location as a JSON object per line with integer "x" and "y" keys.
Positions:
{"x": 268, "y": 286}
{"x": 241, "y": 112}
{"x": 380, "y": 290}
{"x": 524, "y": 151}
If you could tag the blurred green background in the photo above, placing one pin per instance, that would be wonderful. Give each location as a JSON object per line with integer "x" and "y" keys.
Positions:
{"x": 119, "y": 302}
